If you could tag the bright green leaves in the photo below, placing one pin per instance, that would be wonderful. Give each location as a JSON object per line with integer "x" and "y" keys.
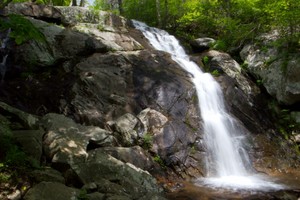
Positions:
{"x": 22, "y": 29}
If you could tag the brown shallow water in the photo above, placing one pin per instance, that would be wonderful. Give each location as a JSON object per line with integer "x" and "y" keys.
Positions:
{"x": 189, "y": 191}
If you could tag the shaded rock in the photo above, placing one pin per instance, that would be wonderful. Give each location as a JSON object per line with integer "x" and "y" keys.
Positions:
{"x": 16, "y": 195}
{"x": 101, "y": 168}
{"x": 95, "y": 196}
{"x": 134, "y": 155}
{"x": 27, "y": 121}
{"x": 118, "y": 197}
{"x": 50, "y": 191}
{"x": 66, "y": 142}
{"x": 31, "y": 142}
{"x": 39, "y": 11}
{"x": 278, "y": 72}
{"x": 201, "y": 44}
{"x": 124, "y": 129}
{"x": 47, "y": 175}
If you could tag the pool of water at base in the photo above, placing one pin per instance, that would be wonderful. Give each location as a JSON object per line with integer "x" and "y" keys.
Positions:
{"x": 282, "y": 187}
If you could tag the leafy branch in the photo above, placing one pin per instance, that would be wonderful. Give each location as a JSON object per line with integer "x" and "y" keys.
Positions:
{"x": 22, "y": 30}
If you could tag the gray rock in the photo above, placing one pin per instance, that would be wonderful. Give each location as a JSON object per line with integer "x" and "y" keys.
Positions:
{"x": 34, "y": 10}
{"x": 16, "y": 195}
{"x": 134, "y": 155}
{"x": 27, "y": 121}
{"x": 279, "y": 74}
{"x": 66, "y": 142}
{"x": 147, "y": 79}
{"x": 50, "y": 191}
{"x": 152, "y": 120}
{"x": 115, "y": 177}
{"x": 124, "y": 129}
{"x": 47, "y": 175}
{"x": 96, "y": 196}
{"x": 31, "y": 142}
{"x": 118, "y": 197}
{"x": 297, "y": 138}
{"x": 201, "y": 44}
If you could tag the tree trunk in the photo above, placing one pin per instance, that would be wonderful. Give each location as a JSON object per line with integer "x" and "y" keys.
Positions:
{"x": 166, "y": 13}
{"x": 82, "y": 3}
{"x": 74, "y": 3}
{"x": 120, "y": 7}
{"x": 158, "y": 13}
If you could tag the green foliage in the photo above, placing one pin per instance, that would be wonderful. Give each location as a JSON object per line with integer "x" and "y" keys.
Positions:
{"x": 82, "y": 195}
{"x": 16, "y": 157}
{"x": 284, "y": 122}
{"x": 219, "y": 45}
{"x": 205, "y": 60}
{"x": 22, "y": 29}
{"x": 158, "y": 159}
{"x": 4, "y": 176}
{"x": 233, "y": 22}
{"x": 11, "y": 156}
{"x": 147, "y": 141}
{"x": 215, "y": 72}
{"x": 259, "y": 82}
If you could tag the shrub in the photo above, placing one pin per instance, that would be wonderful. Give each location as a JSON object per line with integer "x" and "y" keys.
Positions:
{"x": 22, "y": 29}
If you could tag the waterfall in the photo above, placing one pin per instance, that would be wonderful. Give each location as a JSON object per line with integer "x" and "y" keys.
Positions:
{"x": 2, "y": 48}
{"x": 227, "y": 163}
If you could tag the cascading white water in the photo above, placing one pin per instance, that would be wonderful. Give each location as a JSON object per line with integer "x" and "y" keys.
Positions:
{"x": 3, "y": 63}
{"x": 226, "y": 159}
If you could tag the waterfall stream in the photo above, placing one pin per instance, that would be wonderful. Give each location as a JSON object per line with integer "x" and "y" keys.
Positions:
{"x": 228, "y": 164}
{"x": 2, "y": 49}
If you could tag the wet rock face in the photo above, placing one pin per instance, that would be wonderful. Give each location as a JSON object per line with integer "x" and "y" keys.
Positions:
{"x": 243, "y": 98}
{"x": 249, "y": 105}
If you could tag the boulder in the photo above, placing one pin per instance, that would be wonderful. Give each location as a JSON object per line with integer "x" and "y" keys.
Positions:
{"x": 152, "y": 120}
{"x": 66, "y": 142}
{"x": 124, "y": 129}
{"x": 201, "y": 44}
{"x": 96, "y": 196}
{"x": 23, "y": 119}
{"x": 39, "y": 11}
{"x": 278, "y": 72}
{"x": 50, "y": 191}
{"x": 46, "y": 175}
{"x": 134, "y": 155}
{"x": 115, "y": 177}
{"x": 31, "y": 142}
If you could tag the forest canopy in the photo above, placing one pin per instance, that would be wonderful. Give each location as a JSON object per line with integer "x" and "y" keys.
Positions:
{"x": 232, "y": 22}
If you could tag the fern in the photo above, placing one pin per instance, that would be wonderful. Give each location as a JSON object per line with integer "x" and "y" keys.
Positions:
{"x": 22, "y": 30}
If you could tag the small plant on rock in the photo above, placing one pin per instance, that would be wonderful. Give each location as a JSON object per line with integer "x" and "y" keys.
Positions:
{"x": 147, "y": 141}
